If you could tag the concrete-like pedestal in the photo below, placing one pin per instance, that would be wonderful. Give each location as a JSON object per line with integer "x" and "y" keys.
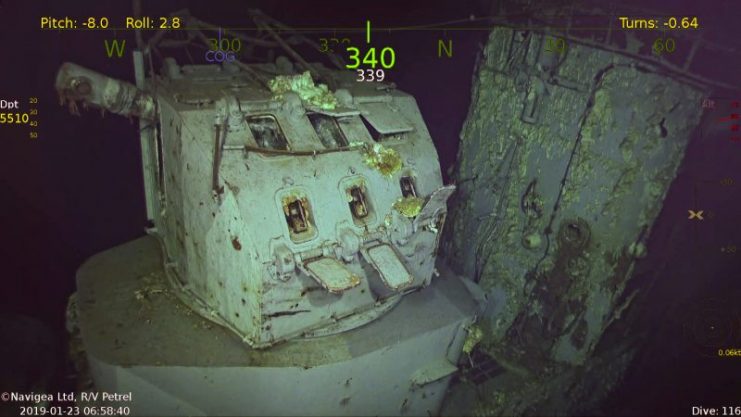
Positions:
{"x": 139, "y": 338}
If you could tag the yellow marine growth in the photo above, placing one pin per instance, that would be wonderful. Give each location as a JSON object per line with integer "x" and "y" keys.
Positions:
{"x": 475, "y": 334}
{"x": 386, "y": 160}
{"x": 302, "y": 84}
{"x": 408, "y": 206}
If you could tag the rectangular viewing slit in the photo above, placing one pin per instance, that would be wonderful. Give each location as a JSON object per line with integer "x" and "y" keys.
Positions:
{"x": 296, "y": 217}
{"x": 407, "y": 187}
{"x": 328, "y": 130}
{"x": 357, "y": 203}
{"x": 267, "y": 132}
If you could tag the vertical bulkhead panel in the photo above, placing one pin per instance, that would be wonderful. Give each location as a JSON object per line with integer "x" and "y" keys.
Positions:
{"x": 199, "y": 206}
{"x": 219, "y": 260}
{"x": 423, "y": 167}
{"x": 170, "y": 218}
{"x": 422, "y": 159}
{"x": 234, "y": 278}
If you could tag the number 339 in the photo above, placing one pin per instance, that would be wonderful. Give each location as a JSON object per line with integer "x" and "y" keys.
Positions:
{"x": 370, "y": 75}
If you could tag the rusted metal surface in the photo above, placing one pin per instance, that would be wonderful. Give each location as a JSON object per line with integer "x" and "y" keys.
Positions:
{"x": 76, "y": 84}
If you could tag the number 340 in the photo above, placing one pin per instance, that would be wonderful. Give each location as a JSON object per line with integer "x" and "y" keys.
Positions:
{"x": 387, "y": 58}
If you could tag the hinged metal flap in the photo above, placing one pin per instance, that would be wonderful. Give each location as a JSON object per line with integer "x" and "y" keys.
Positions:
{"x": 331, "y": 274}
{"x": 336, "y": 112}
{"x": 432, "y": 372}
{"x": 393, "y": 272}
{"x": 384, "y": 119}
{"x": 437, "y": 201}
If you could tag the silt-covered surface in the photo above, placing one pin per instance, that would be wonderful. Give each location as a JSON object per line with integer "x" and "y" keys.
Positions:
{"x": 563, "y": 166}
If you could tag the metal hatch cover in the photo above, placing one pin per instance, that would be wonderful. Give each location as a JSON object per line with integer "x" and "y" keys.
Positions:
{"x": 437, "y": 201}
{"x": 384, "y": 119}
{"x": 433, "y": 372}
{"x": 393, "y": 272}
{"x": 336, "y": 112}
{"x": 331, "y": 274}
